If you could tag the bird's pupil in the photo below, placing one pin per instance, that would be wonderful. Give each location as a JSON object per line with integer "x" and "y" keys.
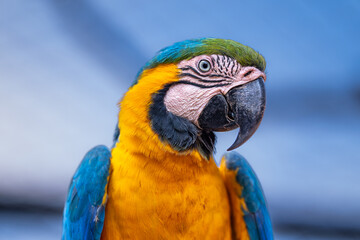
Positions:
{"x": 204, "y": 66}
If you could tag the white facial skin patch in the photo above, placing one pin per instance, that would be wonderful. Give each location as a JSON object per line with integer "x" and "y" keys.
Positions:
{"x": 203, "y": 77}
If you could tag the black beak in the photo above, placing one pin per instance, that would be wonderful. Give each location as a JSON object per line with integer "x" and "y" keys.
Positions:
{"x": 242, "y": 107}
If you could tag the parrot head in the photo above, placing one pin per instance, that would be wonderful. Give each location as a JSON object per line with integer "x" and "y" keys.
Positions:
{"x": 196, "y": 87}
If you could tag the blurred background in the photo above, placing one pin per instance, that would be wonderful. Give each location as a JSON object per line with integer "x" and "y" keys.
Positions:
{"x": 65, "y": 64}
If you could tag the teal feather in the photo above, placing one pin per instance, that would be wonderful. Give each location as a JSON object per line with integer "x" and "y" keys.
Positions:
{"x": 256, "y": 216}
{"x": 84, "y": 212}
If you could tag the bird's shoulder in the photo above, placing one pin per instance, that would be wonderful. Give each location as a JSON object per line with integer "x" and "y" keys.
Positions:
{"x": 84, "y": 210}
{"x": 250, "y": 216}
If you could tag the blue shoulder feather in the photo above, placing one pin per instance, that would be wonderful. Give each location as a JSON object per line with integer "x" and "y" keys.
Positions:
{"x": 84, "y": 212}
{"x": 256, "y": 216}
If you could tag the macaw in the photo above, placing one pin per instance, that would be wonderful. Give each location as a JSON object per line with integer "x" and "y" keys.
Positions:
{"x": 160, "y": 179}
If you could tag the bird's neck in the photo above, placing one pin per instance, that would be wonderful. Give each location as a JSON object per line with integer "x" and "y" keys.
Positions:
{"x": 136, "y": 135}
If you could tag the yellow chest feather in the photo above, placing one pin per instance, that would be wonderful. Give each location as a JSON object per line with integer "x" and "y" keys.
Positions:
{"x": 149, "y": 201}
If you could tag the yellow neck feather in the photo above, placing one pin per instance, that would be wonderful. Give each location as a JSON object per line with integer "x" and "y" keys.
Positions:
{"x": 136, "y": 135}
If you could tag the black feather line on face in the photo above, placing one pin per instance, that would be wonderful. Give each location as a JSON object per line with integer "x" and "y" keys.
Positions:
{"x": 178, "y": 132}
{"x": 213, "y": 61}
{"x": 232, "y": 68}
{"x": 219, "y": 64}
{"x": 201, "y": 79}
{"x": 201, "y": 75}
{"x": 202, "y": 86}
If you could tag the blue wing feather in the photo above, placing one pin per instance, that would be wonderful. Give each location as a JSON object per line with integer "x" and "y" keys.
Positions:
{"x": 84, "y": 212}
{"x": 256, "y": 216}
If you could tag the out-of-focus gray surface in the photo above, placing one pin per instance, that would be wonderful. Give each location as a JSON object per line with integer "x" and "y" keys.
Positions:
{"x": 64, "y": 65}
{"x": 47, "y": 226}
{"x": 55, "y": 101}
{"x": 30, "y": 226}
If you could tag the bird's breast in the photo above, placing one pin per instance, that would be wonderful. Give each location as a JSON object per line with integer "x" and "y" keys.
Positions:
{"x": 175, "y": 199}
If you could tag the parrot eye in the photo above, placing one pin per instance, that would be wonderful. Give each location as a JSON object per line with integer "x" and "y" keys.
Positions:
{"x": 204, "y": 66}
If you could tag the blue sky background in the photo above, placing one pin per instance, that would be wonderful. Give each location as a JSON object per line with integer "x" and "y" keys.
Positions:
{"x": 64, "y": 65}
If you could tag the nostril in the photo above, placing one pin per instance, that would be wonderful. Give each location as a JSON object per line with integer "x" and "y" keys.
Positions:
{"x": 248, "y": 73}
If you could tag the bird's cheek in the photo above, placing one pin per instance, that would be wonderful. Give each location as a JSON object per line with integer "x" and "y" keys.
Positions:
{"x": 188, "y": 101}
